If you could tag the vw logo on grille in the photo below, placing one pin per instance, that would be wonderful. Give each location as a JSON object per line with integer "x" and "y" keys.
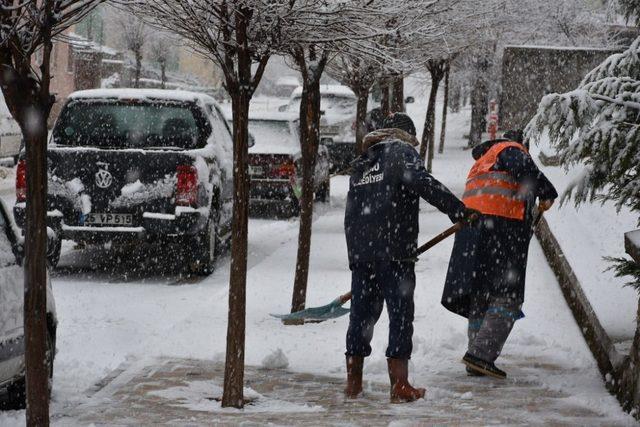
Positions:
{"x": 104, "y": 179}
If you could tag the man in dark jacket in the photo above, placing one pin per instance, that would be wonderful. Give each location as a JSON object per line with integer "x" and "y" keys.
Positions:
{"x": 381, "y": 227}
{"x": 486, "y": 276}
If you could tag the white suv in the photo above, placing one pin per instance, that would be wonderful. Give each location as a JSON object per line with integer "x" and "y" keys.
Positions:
{"x": 12, "y": 344}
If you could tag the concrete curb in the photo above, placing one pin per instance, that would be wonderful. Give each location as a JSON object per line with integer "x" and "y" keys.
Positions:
{"x": 598, "y": 341}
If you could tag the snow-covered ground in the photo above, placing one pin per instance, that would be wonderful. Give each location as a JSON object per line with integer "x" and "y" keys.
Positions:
{"x": 113, "y": 311}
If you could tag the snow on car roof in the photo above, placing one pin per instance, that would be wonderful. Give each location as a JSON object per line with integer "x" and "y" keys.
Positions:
{"x": 338, "y": 90}
{"x": 142, "y": 94}
{"x": 288, "y": 81}
{"x": 278, "y": 116}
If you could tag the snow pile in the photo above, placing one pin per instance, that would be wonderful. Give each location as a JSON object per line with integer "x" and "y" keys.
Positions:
{"x": 275, "y": 360}
{"x": 587, "y": 234}
{"x": 71, "y": 190}
{"x": 133, "y": 187}
{"x": 205, "y": 396}
{"x": 137, "y": 193}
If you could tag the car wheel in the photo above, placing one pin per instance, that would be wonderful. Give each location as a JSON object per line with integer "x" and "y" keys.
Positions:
{"x": 205, "y": 250}
{"x": 294, "y": 207}
{"x": 324, "y": 192}
{"x": 53, "y": 253}
{"x": 17, "y": 392}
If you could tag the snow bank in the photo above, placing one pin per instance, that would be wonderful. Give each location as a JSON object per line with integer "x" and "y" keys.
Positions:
{"x": 587, "y": 234}
{"x": 275, "y": 360}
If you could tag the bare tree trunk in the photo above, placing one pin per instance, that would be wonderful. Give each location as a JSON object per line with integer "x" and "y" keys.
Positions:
{"x": 397, "y": 98}
{"x": 24, "y": 98}
{"x": 361, "y": 117}
{"x": 35, "y": 278}
{"x": 163, "y": 74}
{"x": 465, "y": 94}
{"x": 436, "y": 69}
{"x": 479, "y": 101}
{"x": 385, "y": 102}
{"x": 310, "y": 141}
{"x": 445, "y": 106}
{"x": 455, "y": 96}
{"x": 34, "y": 128}
{"x": 136, "y": 82}
{"x": 241, "y": 93}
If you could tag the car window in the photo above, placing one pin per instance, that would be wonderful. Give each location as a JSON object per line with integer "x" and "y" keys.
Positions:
{"x": 272, "y": 132}
{"x": 224, "y": 122}
{"x": 222, "y": 142}
{"x": 329, "y": 103}
{"x": 130, "y": 124}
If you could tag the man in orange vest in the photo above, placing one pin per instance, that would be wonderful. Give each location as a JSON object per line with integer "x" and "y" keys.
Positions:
{"x": 486, "y": 276}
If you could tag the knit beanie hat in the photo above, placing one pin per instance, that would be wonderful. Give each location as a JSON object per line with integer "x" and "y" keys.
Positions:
{"x": 400, "y": 121}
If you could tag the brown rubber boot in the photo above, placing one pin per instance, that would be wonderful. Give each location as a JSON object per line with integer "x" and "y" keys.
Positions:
{"x": 354, "y": 377}
{"x": 401, "y": 390}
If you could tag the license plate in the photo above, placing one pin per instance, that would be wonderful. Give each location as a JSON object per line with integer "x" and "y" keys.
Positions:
{"x": 255, "y": 170}
{"x": 108, "y": 219}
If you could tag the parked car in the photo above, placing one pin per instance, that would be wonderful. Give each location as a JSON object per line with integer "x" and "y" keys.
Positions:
{"x": 12, "y": 345}
{"x": 275, "y": 165}
{"x": 338, "y": 104}
{"x": 10, "y": 134}
{"x": 139, "y": 165}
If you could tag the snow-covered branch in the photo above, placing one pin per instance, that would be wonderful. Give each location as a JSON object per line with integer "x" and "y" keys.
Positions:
{"x": 598, "y": 125}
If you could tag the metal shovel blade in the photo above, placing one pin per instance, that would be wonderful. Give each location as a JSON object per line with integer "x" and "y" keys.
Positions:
{"x": 326, "y": 312}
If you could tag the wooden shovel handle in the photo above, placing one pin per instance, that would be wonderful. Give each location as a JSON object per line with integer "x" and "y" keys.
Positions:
{"x": 422, "y": 249}
{"x": 440, "y": 237}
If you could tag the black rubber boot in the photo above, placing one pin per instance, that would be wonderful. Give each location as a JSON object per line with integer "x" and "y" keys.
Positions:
{"x": 483, "y": 367}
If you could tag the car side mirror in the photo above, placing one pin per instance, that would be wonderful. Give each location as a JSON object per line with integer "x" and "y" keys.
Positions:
{"x": 409, "y": 100}
{"x": 252, "y": 140}
{"x": 282, "y": 108}
{"x": 326, "y": 141}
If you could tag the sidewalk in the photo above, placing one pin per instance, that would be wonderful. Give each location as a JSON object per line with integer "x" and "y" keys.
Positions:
{"x": 183, "y": 392}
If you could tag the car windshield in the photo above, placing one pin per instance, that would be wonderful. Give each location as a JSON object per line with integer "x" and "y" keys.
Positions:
{"x": 331, "y": 104}
{"x": 129, "y": 124}
{"x": 272, "y": 132}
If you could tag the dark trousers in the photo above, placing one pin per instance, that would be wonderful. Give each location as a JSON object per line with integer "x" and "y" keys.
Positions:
{"x": 490, "y": 323}
{"x": 373, "y": 284}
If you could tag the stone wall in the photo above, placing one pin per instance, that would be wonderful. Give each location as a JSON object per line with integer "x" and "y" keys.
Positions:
{"x": 529, "y": 73}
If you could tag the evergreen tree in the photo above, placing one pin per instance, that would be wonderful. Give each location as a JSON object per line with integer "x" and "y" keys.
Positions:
{"x": 597, "y": 126}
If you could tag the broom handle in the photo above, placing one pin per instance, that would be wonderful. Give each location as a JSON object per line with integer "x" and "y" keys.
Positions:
{"x": 422, "y": 249}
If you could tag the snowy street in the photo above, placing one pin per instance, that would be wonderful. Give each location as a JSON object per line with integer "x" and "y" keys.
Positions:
{"x": 114, "y": 313}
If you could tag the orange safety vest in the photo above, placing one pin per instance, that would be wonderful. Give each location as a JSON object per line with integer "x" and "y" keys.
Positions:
{"x": 494, "y": 192}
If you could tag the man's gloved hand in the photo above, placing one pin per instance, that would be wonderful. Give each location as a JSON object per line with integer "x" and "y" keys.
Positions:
{"x": 545, "y": 205}
{"x": 466, "y": 215}
{"x": 470, "y": 216}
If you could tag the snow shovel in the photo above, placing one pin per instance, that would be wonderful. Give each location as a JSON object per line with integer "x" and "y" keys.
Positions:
{"x": 334, "y": 309}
